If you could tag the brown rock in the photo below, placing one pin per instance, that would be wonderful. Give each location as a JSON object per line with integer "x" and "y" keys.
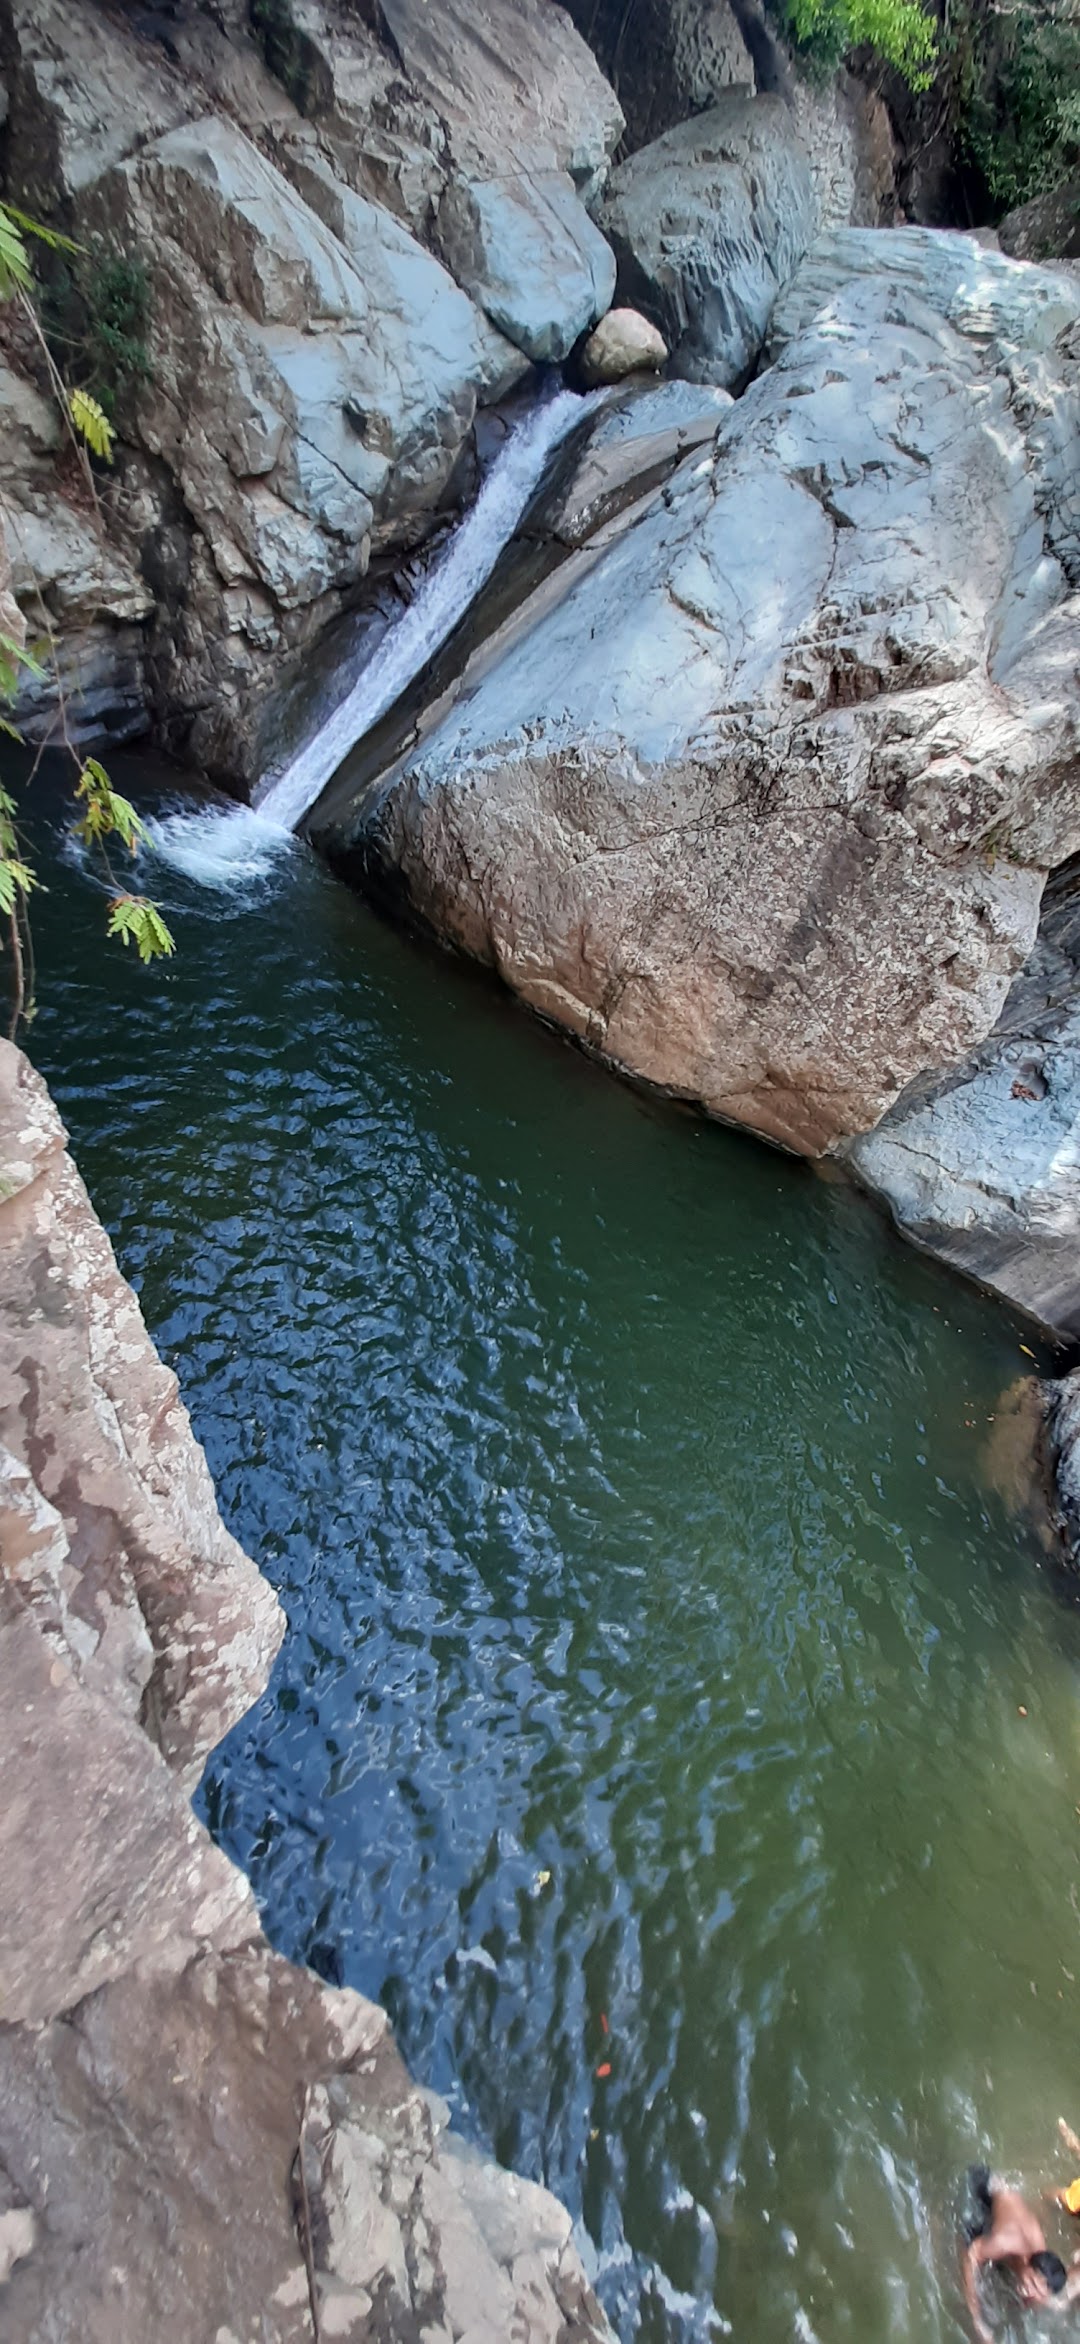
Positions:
{"x": 156, "y": 1607}
{"x": 623, "y": 343}
{"x": 197, "y": 2140}
{"x": 1047, "y": 228}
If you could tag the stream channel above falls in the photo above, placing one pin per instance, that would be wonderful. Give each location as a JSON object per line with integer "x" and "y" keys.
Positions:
{"x": 650, "y": 1731}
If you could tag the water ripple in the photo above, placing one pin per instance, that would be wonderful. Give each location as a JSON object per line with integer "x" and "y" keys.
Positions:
{"x": 647, "y": 1734}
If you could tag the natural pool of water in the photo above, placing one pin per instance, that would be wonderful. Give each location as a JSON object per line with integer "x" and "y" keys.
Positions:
{"x": 650, "y": 1734}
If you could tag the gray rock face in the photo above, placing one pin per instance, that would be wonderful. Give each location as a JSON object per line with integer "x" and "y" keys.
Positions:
{"x": 510, "y": 79}
{"x": 69, "y": 581}
{"x": 667, "y": 59}
{"x": 707, "y": 224}
{"x": 197, "y": 2140}
{"x": 759, "y": 797}
{"x": 528, "y": 252}
{"x": 982, "y": 1164}
{"x": 290, "y": 180}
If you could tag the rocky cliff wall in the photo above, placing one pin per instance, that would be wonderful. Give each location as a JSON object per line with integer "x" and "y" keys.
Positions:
{"x": 346, "y": 231}
{"x": 197, "y": 2140}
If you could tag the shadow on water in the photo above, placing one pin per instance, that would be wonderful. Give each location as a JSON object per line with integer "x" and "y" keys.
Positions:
{"x": 676, "y": 1727}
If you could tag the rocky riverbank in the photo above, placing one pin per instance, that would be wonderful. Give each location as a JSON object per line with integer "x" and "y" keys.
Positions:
{"x": 769, "y": 792}
{"x": 196, "y": 2138}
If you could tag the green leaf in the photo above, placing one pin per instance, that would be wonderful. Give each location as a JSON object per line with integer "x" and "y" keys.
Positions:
{"x": 137, "y": 921}
{"x": 89, "y": 418}
{"x": 14, "y": 258}
{"x": 16, "y": 878}
{"x": 125, "y": 821}
{"x": 49, "y": 236}
{"x": 107, "y": 813}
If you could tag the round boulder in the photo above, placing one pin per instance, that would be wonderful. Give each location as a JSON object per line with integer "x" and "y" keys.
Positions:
{"x": 623, "y": 343}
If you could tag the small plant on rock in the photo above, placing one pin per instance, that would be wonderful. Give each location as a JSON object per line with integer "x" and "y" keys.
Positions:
{"x": 105, "y": 815}
{"x": 902, "y": 33}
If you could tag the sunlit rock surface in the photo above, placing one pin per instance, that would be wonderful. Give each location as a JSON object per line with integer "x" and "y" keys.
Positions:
{"x": 760, "y": 795}
{"x": 197, "y": 2140}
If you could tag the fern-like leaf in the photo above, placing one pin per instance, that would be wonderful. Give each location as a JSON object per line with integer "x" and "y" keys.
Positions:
{"x": 91, "y": 421}
{"x": 137, "y": 921}
{"x": 16, "y": 879}
{"x": 31, "y": 227}
{"x": 108, "y": 814}
{"x": 14, "y": 258}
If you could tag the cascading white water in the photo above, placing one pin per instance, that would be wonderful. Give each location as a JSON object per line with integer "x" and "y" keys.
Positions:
{"x": 449, "y": 589}
{"x": 230, "y": 846}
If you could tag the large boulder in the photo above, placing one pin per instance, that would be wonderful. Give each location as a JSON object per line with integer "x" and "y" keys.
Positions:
{"x": 759, "y": 797}
{"x": 1047, "y": 228}
{"x": 197, "y": 2139}
{"x": 981, "y": 1164}
{"x": 708, "y": 224}
{"x": 494, "y": 130}
{"x": 529, "y": 254}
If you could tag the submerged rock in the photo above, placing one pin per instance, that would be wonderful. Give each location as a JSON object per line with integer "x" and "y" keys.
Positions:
{"x": 708, "y": 223}
{"x": 759, "y": 797}
{"x": 623, "y": 343}
{"x": 197, "y": 2139}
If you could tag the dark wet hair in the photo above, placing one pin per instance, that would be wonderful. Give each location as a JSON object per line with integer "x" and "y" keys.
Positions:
{"x": 1051, "y": 2268}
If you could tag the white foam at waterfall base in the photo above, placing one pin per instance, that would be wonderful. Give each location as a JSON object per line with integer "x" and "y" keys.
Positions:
{"x": 237, "y": 847}
{"x": 219, "y": 846}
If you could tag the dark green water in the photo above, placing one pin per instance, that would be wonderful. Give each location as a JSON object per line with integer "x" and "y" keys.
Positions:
{"x": 658, "y": 1635}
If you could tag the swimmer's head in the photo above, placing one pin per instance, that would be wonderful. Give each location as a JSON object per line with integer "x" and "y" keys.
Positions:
{"x": 1049, "y": 2266}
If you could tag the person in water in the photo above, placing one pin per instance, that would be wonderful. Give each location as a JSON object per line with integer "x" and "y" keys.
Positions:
{"x": 1001, "y": 2230}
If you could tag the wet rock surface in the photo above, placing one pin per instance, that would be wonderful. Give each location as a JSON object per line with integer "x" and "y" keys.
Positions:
{"x": 760, "y": 796}
{"x": 196, "y": 2138}
{"x": 1061, "y": 1403}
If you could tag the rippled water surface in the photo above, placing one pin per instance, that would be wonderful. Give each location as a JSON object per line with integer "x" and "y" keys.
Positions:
{"x": 650, "y": 1730}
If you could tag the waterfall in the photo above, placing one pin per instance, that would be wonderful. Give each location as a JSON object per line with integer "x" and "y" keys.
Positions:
{"x": 228, "y": 846}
